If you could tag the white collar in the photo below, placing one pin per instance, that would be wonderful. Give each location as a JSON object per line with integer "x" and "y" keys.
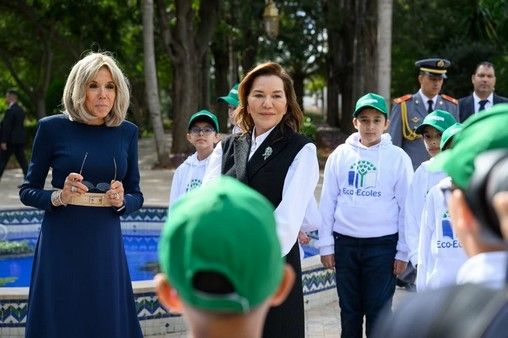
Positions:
{"x": 426, "y": 99}
{"x": 477, "y": 99}
{"x": 256, "y": 141}
{"x": 488, "y": 268}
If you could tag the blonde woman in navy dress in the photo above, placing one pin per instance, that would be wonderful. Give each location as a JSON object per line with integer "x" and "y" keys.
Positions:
{"x": 80, "y": 284}
{"x": 273, "y": 158}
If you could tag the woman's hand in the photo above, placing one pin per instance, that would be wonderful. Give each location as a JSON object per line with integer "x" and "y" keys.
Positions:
{"x": 116, "y": 194}
{"x": 328, "y": 261}
{"x": 399, "y": 267}
{"x": 72, "y": 187}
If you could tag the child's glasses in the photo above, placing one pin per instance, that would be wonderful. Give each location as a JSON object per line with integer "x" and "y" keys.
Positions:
{"x": 197, "y": 131}
{"x": 102, "y": 187}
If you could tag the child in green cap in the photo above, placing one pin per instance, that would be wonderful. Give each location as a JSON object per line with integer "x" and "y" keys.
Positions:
{"x": 221, "y": 262}
{"x": 202, "y": 133}
{"x": 432, "y": 127}
{"x": 440, "y": 251}
{"x": 362, "y": 201}
{"x": 232, "y": 101}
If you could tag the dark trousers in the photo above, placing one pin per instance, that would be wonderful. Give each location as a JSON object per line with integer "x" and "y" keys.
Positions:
{"x": 287, "y": 319}
{"x": 18, "y": 151}
{"x": 365, "y": 280}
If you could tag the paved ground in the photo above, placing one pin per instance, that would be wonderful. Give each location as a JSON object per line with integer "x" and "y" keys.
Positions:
{"x": 322, "y": 322}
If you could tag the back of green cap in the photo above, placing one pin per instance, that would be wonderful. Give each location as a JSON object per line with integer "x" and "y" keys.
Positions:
{"x": 228, "y": 229}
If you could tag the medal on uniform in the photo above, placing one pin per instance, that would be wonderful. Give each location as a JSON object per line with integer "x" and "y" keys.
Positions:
{"x": 267, "y": 153}
{"x": 415, "y": 119}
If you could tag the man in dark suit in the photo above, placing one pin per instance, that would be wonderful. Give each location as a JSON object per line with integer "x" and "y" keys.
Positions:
{"x": 12, "y": 136}
{"x": 483, "y": 97}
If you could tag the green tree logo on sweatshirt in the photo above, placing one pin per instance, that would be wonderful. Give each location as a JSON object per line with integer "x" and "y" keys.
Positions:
{"x": 362, "y": 174}
{"x": 193, "y": 184}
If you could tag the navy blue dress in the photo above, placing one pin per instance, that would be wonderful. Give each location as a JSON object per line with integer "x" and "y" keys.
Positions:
{"x": 80, "y": 285}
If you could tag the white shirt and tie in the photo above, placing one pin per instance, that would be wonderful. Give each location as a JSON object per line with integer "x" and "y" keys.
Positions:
{"x": 480, "y": 104}
{"x": 430, "y": 103}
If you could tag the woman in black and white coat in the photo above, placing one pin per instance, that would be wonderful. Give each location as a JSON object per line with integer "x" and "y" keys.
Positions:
{"x": 271, "y": 156}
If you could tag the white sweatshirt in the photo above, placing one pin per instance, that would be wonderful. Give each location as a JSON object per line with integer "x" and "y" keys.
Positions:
{"x": 363, "y": 193}
{"x": 423, "y": 180}
{"x": 440, "y": 252}
{"x": 188, "y": 176}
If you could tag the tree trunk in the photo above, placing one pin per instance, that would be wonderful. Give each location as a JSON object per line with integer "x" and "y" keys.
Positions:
{"x": 185, "y": 101}
{"x": 187, "y": 43}
{"x": 151, "y": 85}
{"x": 384, "y": 47}
{"x": 220, "y": 52}
{"x": 365, "y": 49}
{"x": 298, "y": 79}
{"x": 204, "y": 83}
{"x": 347, "y": 64}
{"x": 331, "y": 8}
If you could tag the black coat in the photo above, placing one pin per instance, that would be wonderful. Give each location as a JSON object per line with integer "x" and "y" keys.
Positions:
{"x": 466, "y": 105}
{"x": 13, "y": 130}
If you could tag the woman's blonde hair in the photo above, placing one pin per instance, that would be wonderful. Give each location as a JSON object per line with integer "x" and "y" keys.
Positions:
{"x": 294, "y": 115}
{"x": 82, "y": 73}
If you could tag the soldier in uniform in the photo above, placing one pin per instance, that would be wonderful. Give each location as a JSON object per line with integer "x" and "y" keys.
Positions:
{"x": 409, "y": 110}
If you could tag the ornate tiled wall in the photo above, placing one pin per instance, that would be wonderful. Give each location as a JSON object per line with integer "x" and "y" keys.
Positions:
{"x": 154, "y": 320}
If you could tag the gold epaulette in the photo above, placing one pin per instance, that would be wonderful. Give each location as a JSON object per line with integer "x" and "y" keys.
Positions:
{"x": 402, "y": 98}
{"x": 450, "y": 99}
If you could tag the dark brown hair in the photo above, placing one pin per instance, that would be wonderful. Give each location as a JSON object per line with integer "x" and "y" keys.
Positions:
{"x": 294, "y": 115}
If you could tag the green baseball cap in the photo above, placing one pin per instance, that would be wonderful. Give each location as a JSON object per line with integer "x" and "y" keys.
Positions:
{"x": 439, "y": 119}
{"x": 232, "y": 97}
{"x": 204, "y": 115}
{"x": 448, "y": 134}
{"x": 226, "y": 228}
{"x": 481, "y": 132}
{"x": 371, "y": 100}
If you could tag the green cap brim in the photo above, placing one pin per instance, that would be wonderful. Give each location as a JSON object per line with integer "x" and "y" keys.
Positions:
{"x": 358, "y": 111}
{"x": 229, "y": 100}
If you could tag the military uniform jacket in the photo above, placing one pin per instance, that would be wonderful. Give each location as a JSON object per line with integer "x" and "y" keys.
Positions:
{"x": 402, "y": 129}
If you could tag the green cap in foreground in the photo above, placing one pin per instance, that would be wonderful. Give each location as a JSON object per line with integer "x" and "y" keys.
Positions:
{"x": 480, "y": 133}
{"x": 227, "y": 228}
{"x": 439, "y": 119}
{"x": 371, "y": 100}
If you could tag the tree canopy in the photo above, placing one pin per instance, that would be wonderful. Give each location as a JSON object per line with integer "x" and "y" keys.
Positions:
{"x": 201, "y": 48}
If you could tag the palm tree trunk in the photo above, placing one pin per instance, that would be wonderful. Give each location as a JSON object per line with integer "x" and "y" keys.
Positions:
{"x": 151, "y": 85}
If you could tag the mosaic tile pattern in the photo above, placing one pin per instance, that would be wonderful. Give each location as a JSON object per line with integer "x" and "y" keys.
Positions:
{"x": 154, "y": 319}
{"x": 148, "y": 307}
{"x": 13, "y": 313}
{"x": 318, "y": 280}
